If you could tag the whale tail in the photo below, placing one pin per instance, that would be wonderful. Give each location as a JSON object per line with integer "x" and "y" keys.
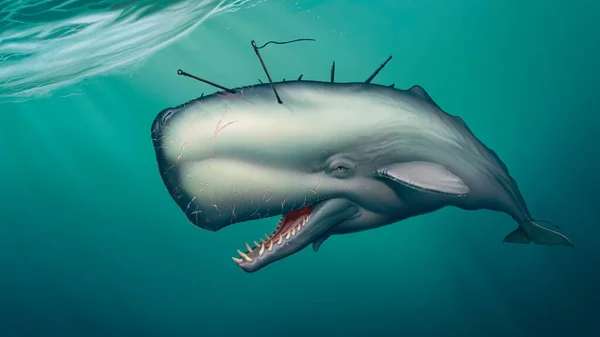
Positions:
{"x": 531, "y": 230}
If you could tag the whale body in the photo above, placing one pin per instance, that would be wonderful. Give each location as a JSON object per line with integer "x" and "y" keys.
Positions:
{"x": 332, "y": 159}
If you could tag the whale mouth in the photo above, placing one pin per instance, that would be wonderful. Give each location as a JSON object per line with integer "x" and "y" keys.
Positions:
{"x": 296, "y": 230}
{"x": 290, "y": 225}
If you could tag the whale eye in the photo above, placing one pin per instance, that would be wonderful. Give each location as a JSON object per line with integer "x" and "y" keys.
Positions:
{"x": 340, "y": 166}
{"x": 340, "y": 169}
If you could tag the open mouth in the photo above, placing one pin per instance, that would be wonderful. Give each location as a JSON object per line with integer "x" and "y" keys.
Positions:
{"x": 287, "y": 228}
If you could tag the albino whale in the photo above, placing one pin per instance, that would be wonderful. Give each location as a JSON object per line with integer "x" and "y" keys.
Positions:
{"x": 332, "y": 158}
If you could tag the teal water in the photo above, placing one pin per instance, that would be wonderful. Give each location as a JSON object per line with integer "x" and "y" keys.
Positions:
{"x": 91, "y": 243}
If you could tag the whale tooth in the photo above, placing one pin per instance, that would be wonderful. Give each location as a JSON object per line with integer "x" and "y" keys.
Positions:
{"x": 248, "y": 246}
{"x": 299, "y": 227}
{"x": 256, "y": 244}
{"x": 262, "y": 241}
{"x": 238, "y": 261}
{"x": 294, "y": 231}
{"x": 271, "y": 245}
{"x": 280, "y": 239}
{"x": 287, "y": 237}
{"x": 246, "y": 257}
{"x": 262, "y": 250}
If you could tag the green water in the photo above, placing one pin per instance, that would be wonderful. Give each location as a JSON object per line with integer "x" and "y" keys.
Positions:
{"x": 91, "y": 243}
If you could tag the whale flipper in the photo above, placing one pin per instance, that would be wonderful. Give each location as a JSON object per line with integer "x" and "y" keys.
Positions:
{"x": 532, "y": 231}
{"x": 425, "y": 176}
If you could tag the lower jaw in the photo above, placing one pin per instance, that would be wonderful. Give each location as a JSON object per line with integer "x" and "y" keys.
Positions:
{"x": 285, "y": 232}
{"x": 332, "y": 211}
{"x": 282, "y": 250}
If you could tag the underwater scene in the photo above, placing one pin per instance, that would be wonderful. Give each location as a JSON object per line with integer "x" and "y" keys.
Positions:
{"x": 299, "y": 168}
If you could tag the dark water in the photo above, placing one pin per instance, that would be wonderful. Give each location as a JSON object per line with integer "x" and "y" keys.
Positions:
{"x": 91, "y": 244}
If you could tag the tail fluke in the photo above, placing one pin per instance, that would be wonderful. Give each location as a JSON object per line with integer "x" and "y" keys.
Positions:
{"x": 531, "y": 230}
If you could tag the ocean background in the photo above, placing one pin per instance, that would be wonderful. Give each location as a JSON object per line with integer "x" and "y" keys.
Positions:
{"x": 91, "y": 243}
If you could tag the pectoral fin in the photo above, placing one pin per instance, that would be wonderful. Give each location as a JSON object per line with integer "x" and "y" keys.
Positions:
{"x": 425, "y": 176}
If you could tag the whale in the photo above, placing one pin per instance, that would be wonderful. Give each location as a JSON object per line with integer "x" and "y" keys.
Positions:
{"x": 327, "y": 158}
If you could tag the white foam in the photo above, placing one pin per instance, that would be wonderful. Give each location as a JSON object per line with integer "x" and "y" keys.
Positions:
{"x": 37, "y": 58}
